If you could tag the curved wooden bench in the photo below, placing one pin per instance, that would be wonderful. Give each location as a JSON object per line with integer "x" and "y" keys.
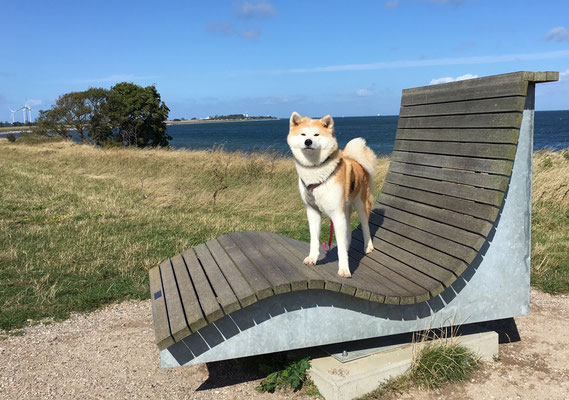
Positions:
{"x": 449, "y": 174}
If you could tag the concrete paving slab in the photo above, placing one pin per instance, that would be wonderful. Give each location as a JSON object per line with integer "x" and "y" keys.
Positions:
{"x": 337, "y": 380}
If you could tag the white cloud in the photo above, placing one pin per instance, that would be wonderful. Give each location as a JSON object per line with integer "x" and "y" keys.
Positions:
{"x": 251, "y": 34}
{"x": 558, "y": 34}
{"x": 429, "y": 62}
{"x": 448, "y": 79}
{"x": 261, "y": 8}
{"x": 220, "y": 28}
{"x": 391, "y": 3}
{"x": 34, "y": 102}
{"x": 564, "y": 75}
{"x": 364, "y": 92}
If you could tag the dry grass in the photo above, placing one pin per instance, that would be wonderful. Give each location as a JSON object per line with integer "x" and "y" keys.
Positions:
{"x": 550, "y": 221}
{"x": 80, "y": 226}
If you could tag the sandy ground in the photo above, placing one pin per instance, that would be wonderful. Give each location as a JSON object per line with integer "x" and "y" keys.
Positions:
{"x": 110, "y": 354}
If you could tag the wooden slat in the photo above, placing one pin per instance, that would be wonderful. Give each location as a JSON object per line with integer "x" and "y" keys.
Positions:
{"x": 256, "y": 280}
{"x": 428, "y": 268}
{"x": 502, "y": 167}
{"x": 206, "y": 297}
{"x": 315, "y": 280}
{"x": 442, "y": 244}
{"x": 225, "y": 296}
{"x": 483, "y": 211}
{"x": 369, "y": 280}
{"x": 492, "y": 197}
{"x": 192, "y": 308}
{"x": 278, "y": 281}
{"x": 331, "y": 280}
{"x": 496, "y": 182}
{"x": 458, "y": 220}
{"x": 430, "y": 286}
{"x": 162, "y": 335}
{"x": 482, "y": 150}
{"x": 514, "y": 84}
{"x": 503, "y": 120}
{"x": 176, "y": 317}
{"x": 481, "y": 106}
{"x": 475, "y": 135}
{"x": 407, "y": 278}
{"x": 240, "y": 287}
{"x": 383, "y": 210}
{"x": 455, "y": 265}
{"x": 294, "y": 277}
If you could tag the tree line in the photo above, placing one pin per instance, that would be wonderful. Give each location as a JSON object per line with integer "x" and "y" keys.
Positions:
{"x": 126, "y": 114}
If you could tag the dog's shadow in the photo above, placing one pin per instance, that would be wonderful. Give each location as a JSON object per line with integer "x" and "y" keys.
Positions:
{"x": 356, "y": 251}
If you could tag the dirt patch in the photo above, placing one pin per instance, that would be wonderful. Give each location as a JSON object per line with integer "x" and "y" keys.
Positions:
{"x": 110, "y": 354}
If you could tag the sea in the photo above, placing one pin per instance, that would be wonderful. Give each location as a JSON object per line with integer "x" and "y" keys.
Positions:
{"x": 551, "y": 131}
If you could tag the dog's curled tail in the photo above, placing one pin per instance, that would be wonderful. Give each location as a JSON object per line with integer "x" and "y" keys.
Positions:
{"x": 357, "y": 150}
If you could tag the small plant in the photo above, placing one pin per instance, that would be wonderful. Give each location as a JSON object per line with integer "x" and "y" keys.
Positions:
{"x": 11, "y": 137}
{"x": 547, "y": 163}
{"x": 566, "y": 154}
{"x": 288, "y": 376}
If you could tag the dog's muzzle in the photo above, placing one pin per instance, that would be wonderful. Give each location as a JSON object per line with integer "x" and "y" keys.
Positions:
{"x": 308, "y": 142}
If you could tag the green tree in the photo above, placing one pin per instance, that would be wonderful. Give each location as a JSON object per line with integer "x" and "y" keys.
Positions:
{"x": 137, "y": 115}
{"x": 79, "y": 110}
{"x": 50, "y": 122}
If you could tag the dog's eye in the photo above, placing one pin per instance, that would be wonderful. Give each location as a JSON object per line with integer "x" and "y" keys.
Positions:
{"x": 316, "y": 134}
{"x": 303, "y": 134}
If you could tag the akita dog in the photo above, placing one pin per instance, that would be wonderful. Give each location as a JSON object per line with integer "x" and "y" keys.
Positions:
{"x": 331, "y": 181}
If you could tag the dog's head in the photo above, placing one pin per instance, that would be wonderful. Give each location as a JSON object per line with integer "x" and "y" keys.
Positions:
{"x": 311, "y": 140}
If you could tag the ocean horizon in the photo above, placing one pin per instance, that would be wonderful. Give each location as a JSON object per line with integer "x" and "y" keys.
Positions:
{"x": 551, "y": 131}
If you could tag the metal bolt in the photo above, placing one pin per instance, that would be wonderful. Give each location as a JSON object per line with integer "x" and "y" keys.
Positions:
{"x": 344, "y": 353}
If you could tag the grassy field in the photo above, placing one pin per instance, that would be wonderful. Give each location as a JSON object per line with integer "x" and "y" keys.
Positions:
{"x": 79, "y": 227}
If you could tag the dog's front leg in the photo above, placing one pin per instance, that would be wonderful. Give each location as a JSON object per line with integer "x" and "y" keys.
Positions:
{"x": 341, "y": 226}
{"x": 314, "y": 219}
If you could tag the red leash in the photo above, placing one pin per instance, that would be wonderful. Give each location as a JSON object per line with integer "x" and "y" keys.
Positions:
{"x": 329, "y": 239}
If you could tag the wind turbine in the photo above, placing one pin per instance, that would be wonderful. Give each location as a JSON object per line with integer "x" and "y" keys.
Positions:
{"x": 29, "y": 109}
{"x": 13, "y": 112}
{"x": 23, "y": 109}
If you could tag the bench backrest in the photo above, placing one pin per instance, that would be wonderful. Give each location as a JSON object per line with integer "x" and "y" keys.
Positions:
{"x": 450, "y": 168}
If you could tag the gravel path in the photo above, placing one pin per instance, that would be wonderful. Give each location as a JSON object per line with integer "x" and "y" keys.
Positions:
{"x": 110, "y": 354}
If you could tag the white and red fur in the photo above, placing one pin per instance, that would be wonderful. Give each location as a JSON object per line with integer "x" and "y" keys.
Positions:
{"x": 345, "y": 179}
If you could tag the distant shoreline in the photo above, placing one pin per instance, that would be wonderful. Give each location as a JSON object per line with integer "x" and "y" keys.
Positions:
{"x": 210, "y": 121}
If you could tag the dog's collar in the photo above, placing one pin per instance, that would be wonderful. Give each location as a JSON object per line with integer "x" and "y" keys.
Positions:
{"x": 313, "y": 186}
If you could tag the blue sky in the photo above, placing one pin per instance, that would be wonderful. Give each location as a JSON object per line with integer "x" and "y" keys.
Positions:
{"x": 274, "y": 57}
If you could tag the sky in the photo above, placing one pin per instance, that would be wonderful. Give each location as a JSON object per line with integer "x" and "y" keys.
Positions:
{"x": 269, "y": 57}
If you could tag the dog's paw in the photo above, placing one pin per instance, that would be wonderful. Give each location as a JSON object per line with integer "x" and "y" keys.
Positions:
{"x": 369, "y": 248}
{"x": 310, "y": 260}
{"x": 344, "y": 273}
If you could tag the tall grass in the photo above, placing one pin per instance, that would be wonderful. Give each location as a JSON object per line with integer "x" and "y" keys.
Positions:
{"x": 550, "y": 222}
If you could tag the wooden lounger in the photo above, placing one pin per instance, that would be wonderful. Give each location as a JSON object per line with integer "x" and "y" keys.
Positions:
{"x": 451, "y": 230}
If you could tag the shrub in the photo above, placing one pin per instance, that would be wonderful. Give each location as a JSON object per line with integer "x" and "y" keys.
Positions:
{"x": 11, "y": 137}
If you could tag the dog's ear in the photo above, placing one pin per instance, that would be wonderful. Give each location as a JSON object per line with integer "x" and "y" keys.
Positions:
{"x": 295, "y": 119}
{"x": 327, "y": 122}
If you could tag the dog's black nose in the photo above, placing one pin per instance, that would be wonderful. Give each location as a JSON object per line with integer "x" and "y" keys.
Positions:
{"x": 308, "y": 142}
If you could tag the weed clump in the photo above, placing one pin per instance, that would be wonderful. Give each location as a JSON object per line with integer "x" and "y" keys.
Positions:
{"x": 438, "y": 364}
